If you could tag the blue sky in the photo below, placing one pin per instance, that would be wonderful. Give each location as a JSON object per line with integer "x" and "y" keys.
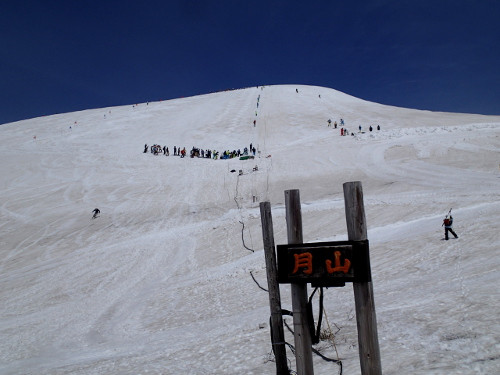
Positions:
{"x": 61, "y": 56}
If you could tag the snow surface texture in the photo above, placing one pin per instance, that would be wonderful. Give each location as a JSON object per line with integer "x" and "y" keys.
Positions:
{"x": 160, "y": 282}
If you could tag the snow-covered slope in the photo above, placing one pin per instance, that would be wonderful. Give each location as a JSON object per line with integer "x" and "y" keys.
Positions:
{"x": 160, "y": 283}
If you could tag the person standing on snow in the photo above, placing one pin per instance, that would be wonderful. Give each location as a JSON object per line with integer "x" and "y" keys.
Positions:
{"x": 448, "y": 223}
{"x": 96, "y": 213}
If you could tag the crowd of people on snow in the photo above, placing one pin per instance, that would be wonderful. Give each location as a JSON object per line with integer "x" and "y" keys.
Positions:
{"x": 344, "y": 131}
{"x": 197, "y": 152}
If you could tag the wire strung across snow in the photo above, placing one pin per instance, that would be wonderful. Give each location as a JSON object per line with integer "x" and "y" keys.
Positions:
{"x": 243, "y": 238}
{"x": 256, "y": 282}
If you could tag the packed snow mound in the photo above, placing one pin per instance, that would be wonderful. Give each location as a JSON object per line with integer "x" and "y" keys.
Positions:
{"x": 160, "y": 282}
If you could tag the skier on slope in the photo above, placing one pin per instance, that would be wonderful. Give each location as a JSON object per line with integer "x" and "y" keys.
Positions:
{"x": 96, "y": 213}
{"x": 448, "y": 227}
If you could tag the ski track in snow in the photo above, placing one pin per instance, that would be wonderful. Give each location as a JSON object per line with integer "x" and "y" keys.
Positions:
{"x": 160, "y": 282}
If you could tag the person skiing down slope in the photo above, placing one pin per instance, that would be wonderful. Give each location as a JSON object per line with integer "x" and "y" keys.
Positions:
{"x": 448, "y": 226}
{"x": 96, "y": 213}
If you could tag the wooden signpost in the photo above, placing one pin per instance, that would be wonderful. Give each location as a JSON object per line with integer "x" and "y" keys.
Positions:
{"x": 326, "y": 264}
{"x": 302, "y": 335}
{"x": 277, "y": 333}
{"x": 369, "y": 352}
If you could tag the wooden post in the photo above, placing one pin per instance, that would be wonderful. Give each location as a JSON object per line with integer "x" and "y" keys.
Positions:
{"x": 302, "y": 335}
{"x": 278, "y": 335}
{"x": 369, "y": 352}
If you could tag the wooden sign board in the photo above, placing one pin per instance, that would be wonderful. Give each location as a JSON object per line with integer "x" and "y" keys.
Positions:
{"x": 324, "y": 263}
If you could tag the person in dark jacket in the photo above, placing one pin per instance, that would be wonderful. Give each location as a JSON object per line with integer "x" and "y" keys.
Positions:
{"x": 96, "y": 213}
{"x": 448, "y": 227}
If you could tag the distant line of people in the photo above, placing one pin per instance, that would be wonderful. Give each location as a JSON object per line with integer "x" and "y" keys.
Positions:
{"x": 370, "y": 128}
{"x": 335, "y": 123}
{"x": 197, "y": 152}
{"x": 344, "y": 131}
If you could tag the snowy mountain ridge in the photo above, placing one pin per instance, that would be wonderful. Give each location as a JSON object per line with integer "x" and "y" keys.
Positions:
{"x": 160, "y": 282}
